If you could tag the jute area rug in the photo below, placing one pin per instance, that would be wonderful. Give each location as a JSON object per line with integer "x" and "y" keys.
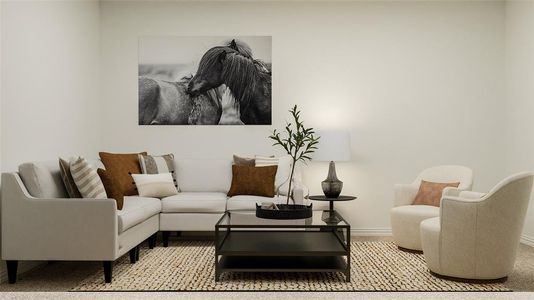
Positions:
{"x": 189, "y": 266}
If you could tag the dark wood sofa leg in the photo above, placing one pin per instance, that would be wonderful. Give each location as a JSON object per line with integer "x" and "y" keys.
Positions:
{"x": 152, "y": 240}
{"x": 108, "y": 271}
{"x": 165, "y": 235}
{"x": 137, "y": 250}
{"x": 12, "y": 270}
{"x": 133, "y": 255}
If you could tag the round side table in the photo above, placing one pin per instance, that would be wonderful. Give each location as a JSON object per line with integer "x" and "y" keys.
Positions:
{"x": 332, "y": 200}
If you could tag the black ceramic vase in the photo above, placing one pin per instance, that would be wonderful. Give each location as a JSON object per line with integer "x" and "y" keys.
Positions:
{"x": 331, "y": 185}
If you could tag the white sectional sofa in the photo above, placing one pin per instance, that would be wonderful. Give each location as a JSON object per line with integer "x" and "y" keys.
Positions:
{"x": 40, "y": 222}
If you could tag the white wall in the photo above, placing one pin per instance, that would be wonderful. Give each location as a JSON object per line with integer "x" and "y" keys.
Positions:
{"x": 50, "y": 86}
{"x": 416, "y": 84}
{"x": 520, "y": 94}
{"x": 49, "y": 78}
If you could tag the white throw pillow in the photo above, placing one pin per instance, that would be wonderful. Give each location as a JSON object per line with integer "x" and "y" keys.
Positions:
{"x": 282, "y": 173}
{"x": 155, "y": 185}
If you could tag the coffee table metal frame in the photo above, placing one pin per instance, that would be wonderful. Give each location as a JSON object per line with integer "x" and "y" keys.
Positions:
{"x": 277, "y": 247}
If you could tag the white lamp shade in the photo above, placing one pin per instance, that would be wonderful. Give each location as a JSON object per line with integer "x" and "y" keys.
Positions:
{"x": 332, "y": 146}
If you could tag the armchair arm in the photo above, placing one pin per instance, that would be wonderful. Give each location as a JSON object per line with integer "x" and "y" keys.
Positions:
{"x": 451, "y": 191}
{"x": 55, "y": 229}
{"x": 458, "y": 218}
{"x": 404, "y": 194}
{"x": 471, "y": 195}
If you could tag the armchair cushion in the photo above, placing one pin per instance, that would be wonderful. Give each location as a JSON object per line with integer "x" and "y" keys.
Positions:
{"x": 405, "y": 221}
{"x": 430, "y": 192}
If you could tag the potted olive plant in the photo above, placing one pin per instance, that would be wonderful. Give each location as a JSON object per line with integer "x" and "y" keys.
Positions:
{"x": 299, "y": 142}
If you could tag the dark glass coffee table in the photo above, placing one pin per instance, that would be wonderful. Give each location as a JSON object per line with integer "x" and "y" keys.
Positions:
{"x": 246, "y": 243}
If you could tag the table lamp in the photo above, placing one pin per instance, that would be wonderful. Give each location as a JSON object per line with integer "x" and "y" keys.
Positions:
{"x": 333, "y": 146}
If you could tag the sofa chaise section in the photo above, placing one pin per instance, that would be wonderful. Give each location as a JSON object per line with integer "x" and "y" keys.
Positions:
{"x": 39, "y": 221}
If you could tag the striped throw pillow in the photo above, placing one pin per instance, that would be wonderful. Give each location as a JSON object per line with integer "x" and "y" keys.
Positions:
{"x": 152, "y": 164}
{"x": 68, "y": 181}
{"x": 265, "y": 161}
{"x": 87, "y": 179}
{"x": 155, "y": 185}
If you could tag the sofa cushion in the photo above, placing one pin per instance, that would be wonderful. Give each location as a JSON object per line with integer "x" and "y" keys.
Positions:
{"x": 247, "y": 202}
{"x": 204, "y": 175}
{"x": 136, "y": 210}
{"x": 194, "y": 202}
{"x": 42, "y": 179}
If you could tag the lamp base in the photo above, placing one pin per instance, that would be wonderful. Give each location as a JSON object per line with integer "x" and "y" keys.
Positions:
{"x": 331, "y": 185}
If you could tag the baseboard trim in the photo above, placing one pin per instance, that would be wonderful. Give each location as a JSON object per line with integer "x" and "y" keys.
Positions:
{"x": 370, "y": 232}
{"x": 527, "y": 240}
{"x": 24, "y": 266}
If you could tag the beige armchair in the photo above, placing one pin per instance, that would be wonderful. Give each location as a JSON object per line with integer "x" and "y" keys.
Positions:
{"x": 476, "y": 235}
{"x": 406, "y": 218}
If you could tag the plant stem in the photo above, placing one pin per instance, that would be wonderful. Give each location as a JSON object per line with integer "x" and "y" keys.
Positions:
{"x": 291, "y": 180}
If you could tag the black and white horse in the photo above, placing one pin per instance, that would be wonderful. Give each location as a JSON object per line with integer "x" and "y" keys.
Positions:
{"x": 229, "y": 87}
{"x": 248, "y": 79}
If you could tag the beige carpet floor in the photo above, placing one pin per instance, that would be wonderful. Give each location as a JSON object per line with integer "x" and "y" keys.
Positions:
{"x": 188, "y": 266}
{"x": 66, "y": 276}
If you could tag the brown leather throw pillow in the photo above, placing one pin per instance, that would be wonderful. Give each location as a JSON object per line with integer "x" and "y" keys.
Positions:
{"x": 112, "y": 190}
{"x": 120, "y": 167}
{"x": 430, "y": 192}
{"x": 256, "y": 181}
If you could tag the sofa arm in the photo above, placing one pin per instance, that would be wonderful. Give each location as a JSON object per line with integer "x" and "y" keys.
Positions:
{"x": 55, "y": 229}
{"x": 404, "y": 194}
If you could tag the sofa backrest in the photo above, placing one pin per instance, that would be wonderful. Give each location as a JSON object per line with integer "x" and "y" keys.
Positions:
{"x": 43, "y": 178}
{"x": 204, "y": 175}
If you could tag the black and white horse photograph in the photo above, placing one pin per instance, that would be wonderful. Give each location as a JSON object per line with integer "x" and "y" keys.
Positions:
{"x": 205, "y": 80}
